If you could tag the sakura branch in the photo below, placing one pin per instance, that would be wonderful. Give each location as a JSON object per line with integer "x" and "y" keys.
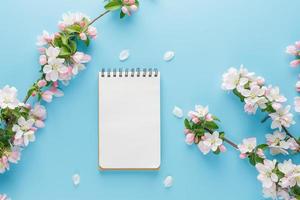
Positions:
{"x": 279, "y": 180}
{"x": 294, "y": 50}
{"x": 60, "y": 61}
{"x": 252, "y": 91}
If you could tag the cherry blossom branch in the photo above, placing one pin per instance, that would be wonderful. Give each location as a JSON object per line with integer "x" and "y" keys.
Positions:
{"x": 278, "y": 179}
{"x": 251, "y": 90}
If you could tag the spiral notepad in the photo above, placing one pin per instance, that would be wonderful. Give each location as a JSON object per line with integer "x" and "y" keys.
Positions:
{"x": 129, "y": 119}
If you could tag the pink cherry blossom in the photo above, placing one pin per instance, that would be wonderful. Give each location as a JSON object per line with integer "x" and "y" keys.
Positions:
{"x": 222, "y": 148}
{"x": 189, "y": 138}
{"x": 92, "y": 32}
{"x": 42, "y": 83}
{"x": 43, "y": 59}
{"x": 14, "y": 155}
{"x": 61, "y": 26}
{"x": 196, "y": 120}
{"x": 83, "y": 36}
{"x": 47, "y": 96}
{"x": 80, "y": 57}
{"x": 291, "y": 50}
{"x": 295, "y": 63}
{"x": 243, "y": 155}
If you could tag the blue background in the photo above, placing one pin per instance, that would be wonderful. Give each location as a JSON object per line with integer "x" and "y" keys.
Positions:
{"x": 208, "y": 36}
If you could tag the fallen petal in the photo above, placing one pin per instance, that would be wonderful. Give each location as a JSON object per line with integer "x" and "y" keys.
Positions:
{"x": 178, "y": 112}
{"x": 76, "y": 179}
{"x": 168, "y": 182}
{"x": 124, "y": 55}
{"x": 169, "y": 55}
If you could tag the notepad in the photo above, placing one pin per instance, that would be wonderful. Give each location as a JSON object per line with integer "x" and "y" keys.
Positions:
{"x": 129, "y": 119}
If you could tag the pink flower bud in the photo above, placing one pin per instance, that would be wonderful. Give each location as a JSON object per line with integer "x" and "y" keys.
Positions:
{"x": 42, "y": 50}
{"x": 43, "y": 59}
{"x": 126, "y": 1}
{"x": 47, "y": 96}
{"x": 125, "y": 10}
{"x": 82, "y": 23}
{"x": 295, "y": 63}
{"x": 209, "y": 117}
{"x": 55, "y": 84}
{"x": 186, "y": 131}
{"x": 56, "y": 35}
{"x": 33, "y": 93}
{"x": 189, "y": 138}
{"x": 61, "y": 26}
{"x": 92, "y": 31}
{"x": 131, "y": 2}
{"x": 243, "y": 156}
{"x": 196, "y": 120}
{"x": 222, "y": 148}
{"x": 83, "y": 36}
{"x": 260, "y": 153}
{"x": 42, "y": 83}
{"x": 133, "y": 8}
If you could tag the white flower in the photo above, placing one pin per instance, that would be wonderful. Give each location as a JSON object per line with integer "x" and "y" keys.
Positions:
{"x": 288, "y": 169}
{"x": 254, "y": 91}
{"x": 76, "y": 179}
{"x": 209, "y": 142}
{"x": 24, "y": 130}
{"x": 248, "y": 145}
{"x": 39, "y": 113}
{"x": 8, "y": 97}
{"x": 266, "y": 174}
{"x": 273, "y": 94}
{"x": 293, "y": 144}
{"x": 55, "y": 65}
{"x": 282, "y": 117}
{"x": 177, "y": 112}
{"x": 250, "y": 106}
{"x": 230, "y": 79}
{"x": 277, "y": 143}
{"x": 200, "y": 111}
{"x": 44, "y": 39}
{"x": 168, "y": 182}
{"x": 72, "y": 18}
{"x": 297, "y": 104}
{"x": 270, "y": 192}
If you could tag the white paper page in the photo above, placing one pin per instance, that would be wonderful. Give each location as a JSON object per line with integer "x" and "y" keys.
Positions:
{"x": 129, "y": 122}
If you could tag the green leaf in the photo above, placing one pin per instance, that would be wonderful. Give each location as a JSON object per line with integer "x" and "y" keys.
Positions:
{"x": 216, "y": 118}
{"x": 122, "y": 15}
{"x": 57, "y": 42}
{"x": 187, "y": 124}
{"x": 73, "y": 46}
{"x": 87, "y": 41}
{"x": 252, "y": 159}
{"x": 75, "y": 28}
{"x": 262, "y": 146}
{"x": 113, "y": 5}
{"x": 211, "y": 125}
{"x": 64, "y": 51}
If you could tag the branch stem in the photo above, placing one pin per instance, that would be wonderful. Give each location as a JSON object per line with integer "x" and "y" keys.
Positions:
{"x": 225, "y": 139}
{"x": 290, "y": 135}
{"x": 101, "y": 15}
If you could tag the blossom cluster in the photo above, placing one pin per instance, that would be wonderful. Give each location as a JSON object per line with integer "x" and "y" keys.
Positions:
{"x": 251, "y": 90}
{"x": 60, "y": 61}
{"x": 294, "y": 50}
{"x": 279, "y": 180}
{"x": 201, "y": 129}
{"x": 4, "y": 197}
{"x": 19, "y": 122}
{"x": 126, "y": 6}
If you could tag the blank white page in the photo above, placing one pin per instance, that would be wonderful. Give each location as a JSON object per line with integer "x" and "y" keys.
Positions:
{"x": 129, "y": 121}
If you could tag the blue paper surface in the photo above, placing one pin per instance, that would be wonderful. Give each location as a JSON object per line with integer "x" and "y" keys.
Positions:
{"x": 208, "y": 36}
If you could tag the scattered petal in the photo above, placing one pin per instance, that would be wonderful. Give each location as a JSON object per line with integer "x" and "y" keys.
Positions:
{"x": 178, "y": 112}
{"x": 124, "y": 55}
{"x": 168, "y": 182}
{"x": 76, "y": 179}
{"x": 169, "y": 55}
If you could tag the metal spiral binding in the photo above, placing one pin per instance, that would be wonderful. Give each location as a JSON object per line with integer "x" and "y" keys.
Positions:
{"x": 133, "y": 72}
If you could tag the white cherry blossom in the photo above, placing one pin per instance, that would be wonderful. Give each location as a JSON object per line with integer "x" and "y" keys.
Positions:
{"x": 277, "y": 143}
{"x": 24, "y": 130}
{"x": 248, "y": 145}
{"x": 266, "y": 173}
{"x": 8, "y": 97}
{"x": 282, "y": 117}
{"x": 210, "y": 142}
